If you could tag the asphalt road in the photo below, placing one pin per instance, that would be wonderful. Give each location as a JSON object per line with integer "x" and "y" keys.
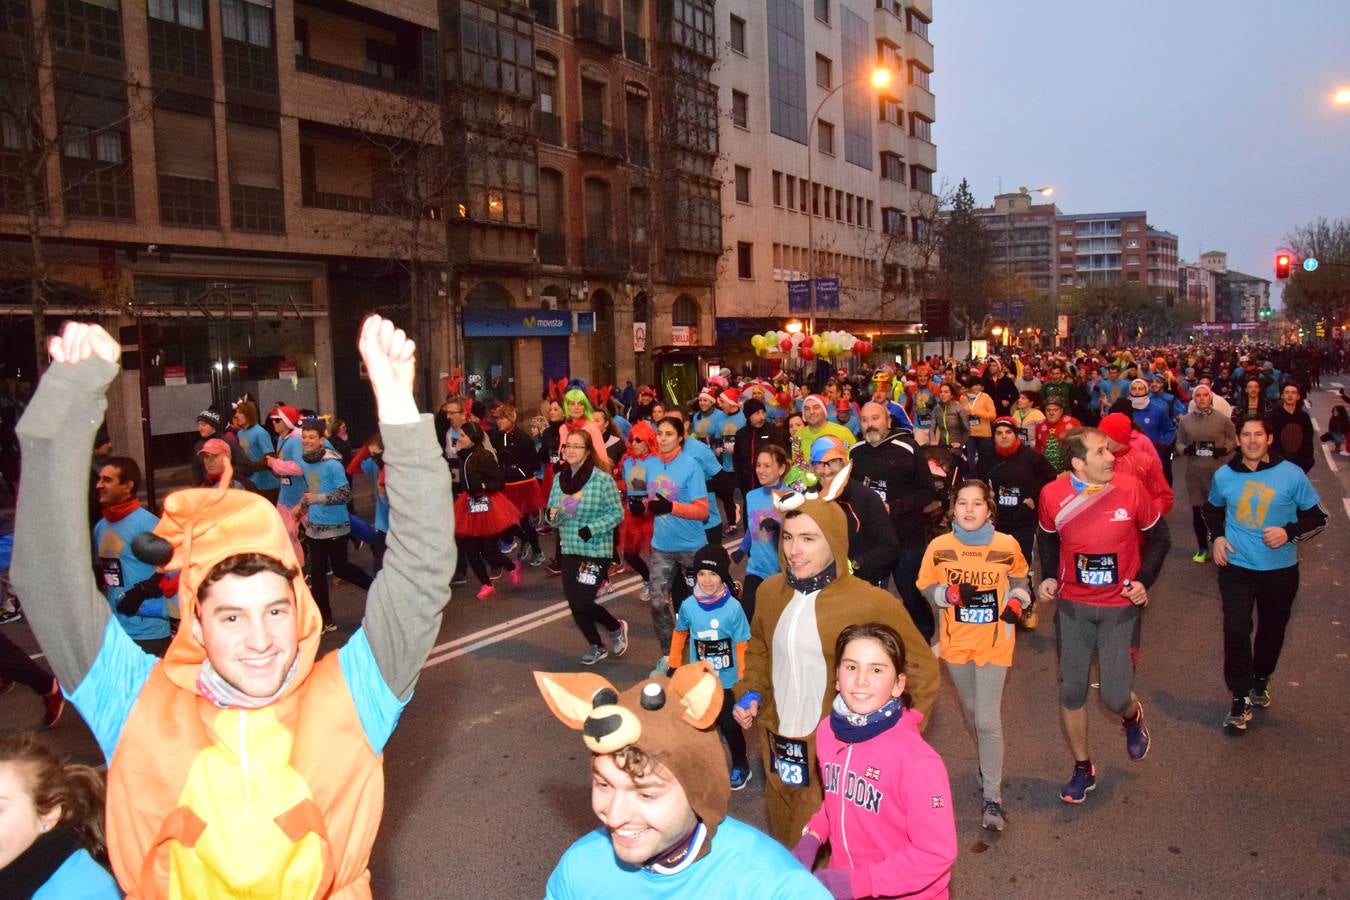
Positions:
{"x": 486, "y": 789}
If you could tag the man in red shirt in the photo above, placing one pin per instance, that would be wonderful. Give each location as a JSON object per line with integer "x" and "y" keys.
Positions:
{"x": 1091, "y": 520}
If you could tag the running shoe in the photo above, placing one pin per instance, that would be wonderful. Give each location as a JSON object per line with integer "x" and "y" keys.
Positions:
{"x": 1238, "y": 716}
{"x": 554, "y": 568}
{"x": 1084, "y": 779}
{"x": 662, "y": 667}
{"x": 535, "y": 558}
{"x": 618, "y": 640}
{"x": 604, "y": 589}
{"x": 645, "y": 593}
{"x": 1201, "y": 556}
{"x": 495, "y": 573}
{"x": 594, "y": 655}
{"x": 517, "y": 574}
{"x": 55, "y": 704}
{"x": 1030, "y": 619}
{"x": 486, "y": 592}
{"x": 992, "y": 818}
{"x": 1260, "y": 693}
{"x": 1137, "y": 738}
{"x": 506, "y": 545}
{"x": 740, "y": 778}
{"x": 10, "y": 615}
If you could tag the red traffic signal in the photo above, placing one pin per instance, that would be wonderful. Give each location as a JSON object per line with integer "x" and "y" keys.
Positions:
{"x": 1284, "y": 261}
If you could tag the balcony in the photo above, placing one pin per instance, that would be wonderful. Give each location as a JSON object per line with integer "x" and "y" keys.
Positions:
{"x": 591, "y": 26}
{"x": 599, "y": 139}
{"x": 548, "y": 128}
{"x": 552, "y": 249}
{"x": 634, "y": 48}
{"x": 545, "y": 13}
{"x": 335, "y": 72}
{"x": 639, "y": 151}
{"x": 604, "y": 255}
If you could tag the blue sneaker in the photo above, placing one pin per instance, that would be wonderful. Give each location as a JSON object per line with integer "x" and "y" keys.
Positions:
{"x": 1083, "y": 780}
{"x": 1136, "y": 736}
{"x": 740, "y": 778}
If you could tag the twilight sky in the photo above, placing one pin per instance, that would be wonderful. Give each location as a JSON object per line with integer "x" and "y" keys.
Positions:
{"x": 1213, "y": 115}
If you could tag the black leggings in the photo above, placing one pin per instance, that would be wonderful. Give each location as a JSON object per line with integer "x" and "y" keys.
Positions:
{"x": 330, "y": 553}
{"x": 1270, "y": 595}
{"x": 732, "y": 732}
{"x": 581, "y": 597}
{"x": 480, "y": 552}
{"x": 638, "y": 564}
{"x": 749, "y": 588}
{"x": 17, "y": 667}
{"x": 528, "y": 533}
{"x": 1201, "y": 529}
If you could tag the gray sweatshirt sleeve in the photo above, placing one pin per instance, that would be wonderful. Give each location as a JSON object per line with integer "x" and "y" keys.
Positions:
{"x": 51, "y": 535}
{"x": 404, "y": 604}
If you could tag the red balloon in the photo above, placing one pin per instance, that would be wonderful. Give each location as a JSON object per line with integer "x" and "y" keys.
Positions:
{"x": 807, "y": 342}
{"x": 867, "y": 348}
{"x": 785, "y": 344}
{"x": 805, "y": 352}
{"x": 858, "y": 347}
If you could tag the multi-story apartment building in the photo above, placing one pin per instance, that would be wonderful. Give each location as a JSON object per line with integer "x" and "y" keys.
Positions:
{"x": 1022, "y": 235}
{"x": 1196, "y": 286}
{"x": 817, "y": 158}
{"x": 233, "y": 185}
{"x": 1226, "y": 295}
{"x": 1115, "y": 248}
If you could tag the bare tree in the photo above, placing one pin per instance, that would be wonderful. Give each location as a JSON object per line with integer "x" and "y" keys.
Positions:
{"x": 1325, "y": 292}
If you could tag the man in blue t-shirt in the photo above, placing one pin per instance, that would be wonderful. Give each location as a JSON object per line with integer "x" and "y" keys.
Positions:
{"x": 660, "y": 789}
{"x": 1257, "y": 510}
{"x": 132, "y": 587}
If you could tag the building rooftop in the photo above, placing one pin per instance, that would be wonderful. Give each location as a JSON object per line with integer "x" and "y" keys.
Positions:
{"x": 1105, "y": 215}
{"x": 1158, "y": 232}
{"x": 1234, "y": 275}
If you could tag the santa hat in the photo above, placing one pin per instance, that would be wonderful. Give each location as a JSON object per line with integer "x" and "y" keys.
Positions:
{"x": 732, "y": 396}
{"x": 708, "y": 394}
{"x": 288, "y": 414}
{"x": 1005, "y": 422}
{"x": 816, "y": 398}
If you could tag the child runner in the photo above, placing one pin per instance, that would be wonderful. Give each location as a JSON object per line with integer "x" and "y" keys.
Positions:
{"x": 51, "y": 826}
{"x": 762, "y": 524}
{"x": 721, "y": 632}
{"x": 887, "y": 814}
{"x": 978, "y": 578}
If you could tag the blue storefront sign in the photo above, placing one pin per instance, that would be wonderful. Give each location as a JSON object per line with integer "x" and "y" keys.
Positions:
{"x": 799, "y": 295}
{"x": 525, "y": 322}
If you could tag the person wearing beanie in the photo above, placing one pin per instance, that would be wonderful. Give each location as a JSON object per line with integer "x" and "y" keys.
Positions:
{"x": 227, "y": 736}
{"x": 816, "y": 422}
{"x": 758, "y": 432}
{"x": 659, "y": 786}
{"x": 211, "y": 425}
{"x": 257, "y": 443}
{"x": 705, "y": 424}
{"x": 786, "y": 684}
{"x": 1017, "y": 476}
{"x": 712, "y": 626}
{"x": 1135, "y": 454}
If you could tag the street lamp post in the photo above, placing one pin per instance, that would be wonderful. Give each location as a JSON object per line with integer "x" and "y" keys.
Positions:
{"x": 880, "y": 77}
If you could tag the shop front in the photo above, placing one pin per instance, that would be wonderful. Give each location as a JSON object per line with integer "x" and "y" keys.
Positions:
{"x": 489, "y": 370}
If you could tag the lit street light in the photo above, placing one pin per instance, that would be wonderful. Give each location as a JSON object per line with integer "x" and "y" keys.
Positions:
{"x": 1341, "y": 97}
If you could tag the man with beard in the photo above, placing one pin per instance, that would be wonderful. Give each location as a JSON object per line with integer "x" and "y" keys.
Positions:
{"x": 873, "y": 550}
{"x": 890, "y": 463}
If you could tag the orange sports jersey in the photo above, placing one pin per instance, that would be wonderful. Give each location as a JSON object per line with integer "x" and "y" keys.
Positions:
{"x": 972, "y": 632}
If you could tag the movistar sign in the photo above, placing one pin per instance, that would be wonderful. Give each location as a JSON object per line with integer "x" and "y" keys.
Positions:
{"x": 524, "y": 322}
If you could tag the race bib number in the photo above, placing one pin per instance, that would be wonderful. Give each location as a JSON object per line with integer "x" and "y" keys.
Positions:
{"x": 717, "y": 653}
{"x": 1009, "y": 496}
{"x": 479, "y": 504}
{"x": 286, "y": 480}
{"x": 980, "y": 610}
{"x": 588, "y": 574}
{"x": 1097, "y": 569}
{"x": 1204, "y": 449}
{"x": 112, "y": 571}
{"x": 878, "y": 487}
{"x": 553, "y": 459}
{"x": 973, "y": 422}
{"x": 790, "y": 760}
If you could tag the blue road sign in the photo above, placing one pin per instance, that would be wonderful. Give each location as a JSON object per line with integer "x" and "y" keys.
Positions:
{"x": 1310, "y": 264}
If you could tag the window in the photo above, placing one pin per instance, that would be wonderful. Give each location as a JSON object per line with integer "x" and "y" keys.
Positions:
{"x": 917, "y": 24}
{"x": 888, "y": 55}
{"x": 96, "y": 150}
{"x": 187, "y": 13}
{"x": 869, "y": 213}
{"x": 827, "y": 202}
{"x": 791, "y": 192}
{"x": 787, "y": 69}
{"x": 918, "y": 75}
{"x": 815, "y": 199}
{"x": 777, "y": 180}
{"x": 247, "y": 21}
{"x": 889, "y": 110}
{"x": 738, "y": 34}
{"x": 848, "y": 209}
{"x": 838, "y": 206}
{"x": 825, "y": 137}
{"x": 86, "y": 26}
{"x": 801, "y": 183}
{"x": 823, "y": 11}
{"x": 742, "y": 184}
{"x": 545, "y": 13}
{"x": 381, "y": 59}
{"x": 256, "y": 202}
{"x": 856, "y": 47}
{"x": 921, "y": 179}
{"x": 186, "y": 162}
{"x": 920, "y": 127}
{"x": 823, "y": 71}
{"x": 691, "y": 26}
{"x": 745, "y": 259}
{"x": 1132, "y": 260}
{"x": 503, "y": 184}
{"x": 892, "y": 221}
{"x": 891, "y": 167}
{"x": 920, "y": 228}
{"x": 496, "y": 50}
{"x": 740, "y": 109}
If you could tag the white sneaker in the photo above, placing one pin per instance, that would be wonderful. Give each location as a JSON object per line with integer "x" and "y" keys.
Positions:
{"x": 646, "y": 593}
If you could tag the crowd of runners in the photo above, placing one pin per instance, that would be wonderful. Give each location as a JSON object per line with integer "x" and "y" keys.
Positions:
{"x": 885, "y": 525}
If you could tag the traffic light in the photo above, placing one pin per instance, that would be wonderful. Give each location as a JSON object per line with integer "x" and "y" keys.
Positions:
{"x": 1284, "y": 261}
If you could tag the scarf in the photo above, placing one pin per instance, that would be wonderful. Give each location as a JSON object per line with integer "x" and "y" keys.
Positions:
{"x": 1009, "y": 451}
{"x": 809, "y": 585}
{"x": 219, "y": 692}
{"x": 32, "y": 868}
{"x": 1082, "y": 487}
{"x": 681, "y": 855}
{"x": 712, "y": 601}
{"x": 115, "y": 511}
{"x": 312, "y": 456}
{"x": 1140, "y": 402}
{"x": 980, "y": 537}
{"x": 573, "y": 481}
{"x": 852, "y": 728}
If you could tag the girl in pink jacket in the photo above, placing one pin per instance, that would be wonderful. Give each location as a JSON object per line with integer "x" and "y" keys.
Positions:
{"x": 887, "y": 814}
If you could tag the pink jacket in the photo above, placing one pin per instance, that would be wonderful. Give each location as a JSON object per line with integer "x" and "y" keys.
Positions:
{"x": 887, "y": 814}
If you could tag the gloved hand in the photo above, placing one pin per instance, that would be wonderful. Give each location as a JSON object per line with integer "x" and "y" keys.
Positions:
{"x": 584, "y": 533}
{"x": 637, "y": 506}
{"x": 771, "y": 528}
{"x": 737, "y": 556}
{"x": 659, "y": 506}
{"x": 1012, "y": 612}
{"x": 959, "y": 594}
{"x": 806, "y": 850}
{"x": 837, "y": 881}
{"x": 135, "y": 595}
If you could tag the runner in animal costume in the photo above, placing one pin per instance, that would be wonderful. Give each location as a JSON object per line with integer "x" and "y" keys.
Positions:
{"x": 240, "y": 764}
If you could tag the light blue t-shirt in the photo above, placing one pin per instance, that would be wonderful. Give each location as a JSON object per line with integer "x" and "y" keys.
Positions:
{"x": 80, "y": 876}
{"x": 257, "y": 443}
{"x": 1253, "y": 501}
{"x": 711, "y": 467}
{"x": 714, "y": 632}
{"x": 119, "y": 569}
{"x": 679, "y": 480}
{"x": 759, "y": 544}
